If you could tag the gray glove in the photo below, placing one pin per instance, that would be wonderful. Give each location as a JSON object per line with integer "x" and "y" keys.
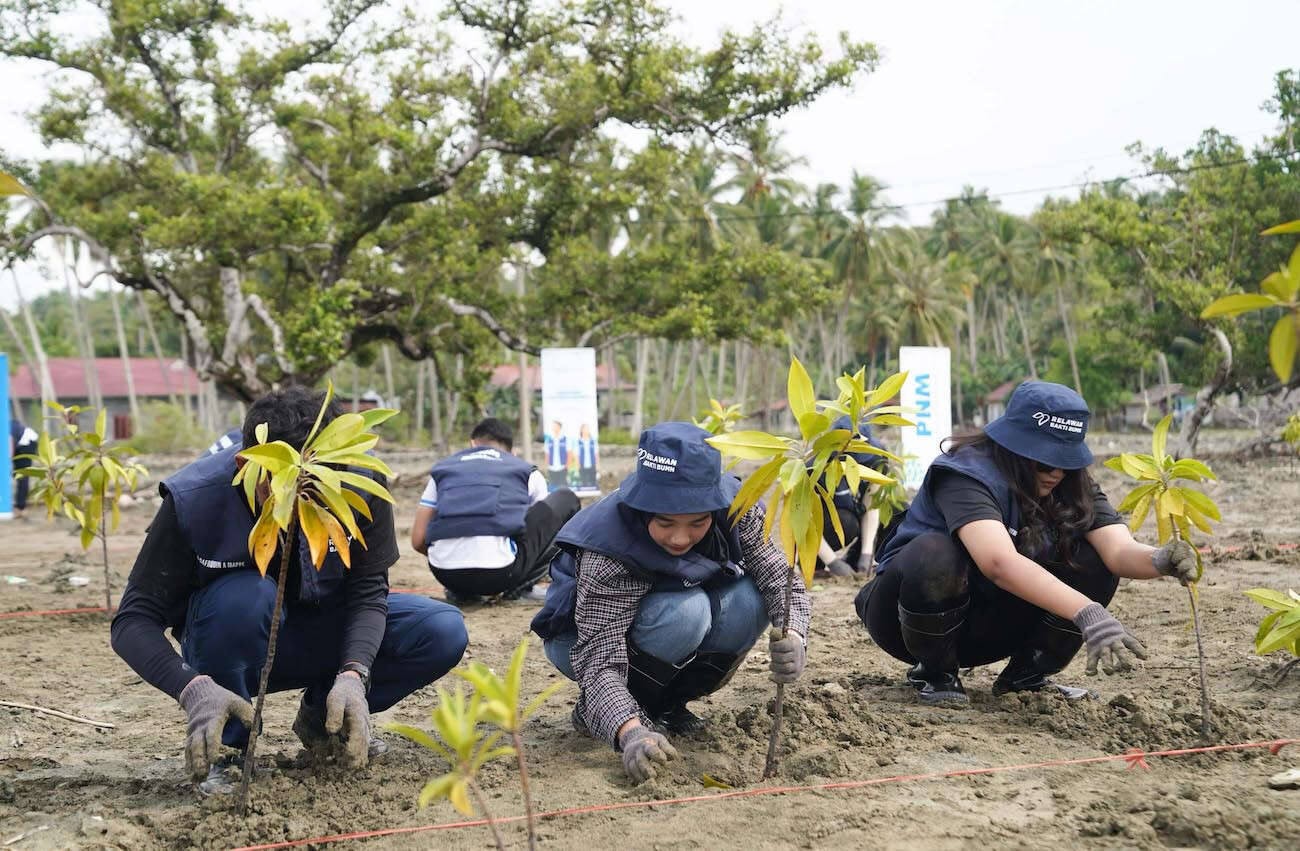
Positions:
{"x": 1108, "y": 641}
{"x": 208, "y": 707}
{"x": 840, "y": 567}
{"x": 642, "y": 747}
{"x": 347, "y": 710}
{"x": 1176, "y": 559}
{"x": 787, "y": 656}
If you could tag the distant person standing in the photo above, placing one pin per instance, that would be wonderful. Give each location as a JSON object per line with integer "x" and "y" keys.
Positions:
{"x": 557, "y": 456}
{"x": 587, "y": 453}
{"x": 22, "y": 441}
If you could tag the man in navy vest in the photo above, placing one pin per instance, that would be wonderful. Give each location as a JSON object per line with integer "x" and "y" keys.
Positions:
{"x": 22, "y": 441}
{"x": 557, "y": 456}
{"x": 350, "y": 645}
{"x": 485, "y": 520}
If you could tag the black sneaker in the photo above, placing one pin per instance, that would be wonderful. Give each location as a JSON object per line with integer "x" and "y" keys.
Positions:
{"x": 681, "y": 721}
{"x": 1037, "y": 682}
{"x": 461, "y": 601}
{"x": 937, "y": 688}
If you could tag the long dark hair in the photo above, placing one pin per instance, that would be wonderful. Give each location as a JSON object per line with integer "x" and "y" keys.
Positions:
{"x": 1063, "y": 516}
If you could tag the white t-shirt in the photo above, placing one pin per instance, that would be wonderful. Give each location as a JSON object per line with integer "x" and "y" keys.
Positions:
{"x": 481, "y": 551}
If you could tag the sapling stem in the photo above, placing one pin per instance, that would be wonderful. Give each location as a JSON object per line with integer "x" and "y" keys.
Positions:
{"x": 1200, "y": 656}
{"x": 286, "y": 549}
{"x": 487, "y": 814}
{"x": 103, "y": 541}
{"x": 769, "y": 769}
{"x": 523, "y": 784}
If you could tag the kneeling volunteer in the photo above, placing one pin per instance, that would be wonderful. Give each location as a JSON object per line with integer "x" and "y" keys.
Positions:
{"x": 858, "y": 519}
{"x": 485, "y": 518}
{"x": 350, "y": 645}
{"x": 1011, "y": 550}
{"x": 656, "y": 598}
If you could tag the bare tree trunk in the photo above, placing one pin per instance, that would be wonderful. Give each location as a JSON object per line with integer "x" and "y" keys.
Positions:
{"x": 743, "y": 355}
{"x": 642, "y": 358}
{"x": 615, "y": 393}
{"x": 688, "y": 386}
{"x": 125, "y": 353}
{"x": 38, "y": 351}
{"x": 972, "y": 326}
{"x": 419, "y": 397}
{"x": 1024, "y": 336}
{"x": 1164, "y": 379}
{"x": 185, "y": 358}
{"x": 157, "y": 347}
{"x": 84, "y": 344}
{"x": 722, "y": 369}
{"x": 356, "y": 387}
{"x": 1205, "y": 399}
{"x": 390, "y": 397}
{"x": 667, "y": 375}
{"x": 454, "y": 396}
{"x": 435, "y": 406}
{"x": 957, "y": 373}
{"x": 1069, "y": 338}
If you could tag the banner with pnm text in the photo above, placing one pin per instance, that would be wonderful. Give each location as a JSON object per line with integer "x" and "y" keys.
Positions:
{"x": 927, "y": 393}
{"x": 569, "y": 420}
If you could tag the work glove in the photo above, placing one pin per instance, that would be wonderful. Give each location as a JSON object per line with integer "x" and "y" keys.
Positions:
{"x": 1176, "y": 559}
{"x": 208, "y": 707}
{"x": 787, "y": 656}
{"x": 1107, "y": 639}
{"x": 347, "y": 711}
{"x": 642, "y": 748}
{"x": 839, "y": 567}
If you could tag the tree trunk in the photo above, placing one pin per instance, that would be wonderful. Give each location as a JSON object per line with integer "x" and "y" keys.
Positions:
{"x": 390, "y": 397}
{"x": 687, "y": 392}
{"x": 38, "y": 351}
{"x": 356, "y": 387}
{"x": 1205, "y": 399}
{"x": 957, "y": 374}
{"x": 615, "y": 394}
{"x": 642, "y": 358}
{"x": 419, "y": 397}
{"x": 23, "y": 352}
{"x": 525, "y": 407}
{"x": 435, "y": 406}
{"x": 743, "y": 355}
{"x": 1024, "y": 336}
{"x": 972, "y": 326}
{"x": 125, "y": 354}
{"x": 157, "y": 347}
{"x": 722, "y": 369}
{"x": 1069, "y": 338}
{"x": 85, "y": 346}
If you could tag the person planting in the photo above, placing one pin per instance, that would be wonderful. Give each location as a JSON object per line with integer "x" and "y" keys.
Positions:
{"x": 858, "y": 519}
{"x": 1011, "y": 550}
{"x": 485, "y": 520}
{"x": 353, "y": 647}
{"x": 657, "y": 596}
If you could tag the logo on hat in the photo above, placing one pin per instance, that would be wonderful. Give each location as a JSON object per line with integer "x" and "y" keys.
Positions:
{"x": 1059, "y": 423}
{"x": 663, "y": 463}
{"x": 1041, "y": 418}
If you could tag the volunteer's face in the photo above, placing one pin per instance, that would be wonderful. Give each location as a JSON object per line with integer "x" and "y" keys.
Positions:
{"x": 1047, "y": 478}
{"x": 677, "y": 533}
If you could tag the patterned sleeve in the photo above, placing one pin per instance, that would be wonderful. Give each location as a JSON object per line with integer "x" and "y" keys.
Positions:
{"x": 608, "y": 597}
{"x": 765, "y": 561}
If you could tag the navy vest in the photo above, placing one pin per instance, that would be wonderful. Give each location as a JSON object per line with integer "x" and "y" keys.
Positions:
{"x": 215, "y": 521}
{"x": 924, "y": 516}
{"x": 481, "y": 491}
{"x": 612, "y": 529}
{"x": 844, "y": 497}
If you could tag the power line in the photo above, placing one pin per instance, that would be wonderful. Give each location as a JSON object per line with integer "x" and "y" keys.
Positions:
{"x": 887, "y": 208}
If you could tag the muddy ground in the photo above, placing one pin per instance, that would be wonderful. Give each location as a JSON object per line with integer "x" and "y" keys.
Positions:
{"x": 67, "y": 785}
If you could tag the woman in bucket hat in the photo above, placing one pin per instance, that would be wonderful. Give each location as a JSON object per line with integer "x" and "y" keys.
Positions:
{"x": 1011, "y": 550}
{"x": 656, "y": 597}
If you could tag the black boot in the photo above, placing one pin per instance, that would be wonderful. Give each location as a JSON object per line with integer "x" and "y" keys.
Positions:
{"x": 704, "y": 674}
{"x": 649, "y": 679}
{"x": 1049, "y": 650}
{"x": 932, "y": 639}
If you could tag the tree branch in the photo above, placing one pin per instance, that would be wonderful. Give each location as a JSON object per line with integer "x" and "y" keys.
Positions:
{"x": 277, "y": 333}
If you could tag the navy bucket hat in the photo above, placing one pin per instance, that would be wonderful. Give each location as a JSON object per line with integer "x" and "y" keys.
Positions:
{"x": 677, "y": 472}
{"x": 1045, "y": 422}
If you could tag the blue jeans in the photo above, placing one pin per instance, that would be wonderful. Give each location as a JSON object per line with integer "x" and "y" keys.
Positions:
{"x": 671, "y": 625}
{"x": 228, "y": 622}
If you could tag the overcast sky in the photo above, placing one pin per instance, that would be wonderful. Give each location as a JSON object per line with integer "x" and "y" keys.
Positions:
{"x": 1008, "y": 95}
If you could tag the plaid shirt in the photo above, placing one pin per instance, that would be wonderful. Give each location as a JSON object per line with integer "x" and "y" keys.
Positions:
{"x": 608, "y": 597}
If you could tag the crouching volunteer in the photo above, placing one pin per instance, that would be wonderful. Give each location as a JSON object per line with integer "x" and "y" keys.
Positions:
{"x": 485, "y": 519}
{"x": 1011, "y": 550}
{"x": 858, "y": 519}
{"x": 656, "y": 598}
{"x": 350, "y": 645}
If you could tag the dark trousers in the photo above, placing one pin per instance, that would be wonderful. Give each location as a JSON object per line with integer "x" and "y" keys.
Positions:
{"x": 933, "y": 573}
{"x": 532, "y": 556}
{"x": 852, "y": 525}
{"x": 21, "y": 483}
{"x": 228, "y": 622}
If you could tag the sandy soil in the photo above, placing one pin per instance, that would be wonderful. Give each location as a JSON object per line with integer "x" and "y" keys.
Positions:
{"x": 849, "y": 718}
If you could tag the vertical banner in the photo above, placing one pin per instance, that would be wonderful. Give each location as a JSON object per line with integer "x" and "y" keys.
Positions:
{"x": 6, "y": 463}
{"x": 569, "y": 420}
{"x": 928, "y": 393}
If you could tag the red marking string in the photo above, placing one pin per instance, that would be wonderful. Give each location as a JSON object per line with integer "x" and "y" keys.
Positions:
{"x": 54, "y": 612}
{"x": 1133, "y": 756}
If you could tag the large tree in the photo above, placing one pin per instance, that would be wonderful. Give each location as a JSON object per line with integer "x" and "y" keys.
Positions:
{"x": 295, "y": 197}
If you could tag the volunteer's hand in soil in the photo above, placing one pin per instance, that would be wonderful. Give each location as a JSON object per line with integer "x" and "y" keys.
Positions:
{"x": 1176, "y": 559}
{"x": 840, "y": 567}
{"x": 208, "y": 707}
{"x": 642, "y": 748}
{"x": 346, "y": 710}
{"x": 787, "y": 657}
{"x": 1107, "y": 639}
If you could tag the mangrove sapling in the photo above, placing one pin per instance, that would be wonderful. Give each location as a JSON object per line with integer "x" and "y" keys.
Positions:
{"x": 457, "y": 719}
{"x": 1177, "y": 509}
{"x": 79, "y": 475}
{"x": 1280, "y": 629}
{"x": 501, "y": 708}
{"x": 313, "y": 491}
{"x": 799, "y": 475}
{"x": 717, "y": 419}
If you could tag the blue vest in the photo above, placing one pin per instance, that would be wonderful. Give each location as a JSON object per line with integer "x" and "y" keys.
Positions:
{"x": 844, "y": 497}
{"x": 612, "y": 529}
{"x": 215, "y": 521}
{"x": 481, "y": 491}
{"x": 924, "y": 516}
{"x": 234, "y": 437}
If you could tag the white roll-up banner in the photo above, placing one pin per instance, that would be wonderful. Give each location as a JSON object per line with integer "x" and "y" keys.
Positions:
{"x": 928, "y": 393}
{"x": 571, "y": 451}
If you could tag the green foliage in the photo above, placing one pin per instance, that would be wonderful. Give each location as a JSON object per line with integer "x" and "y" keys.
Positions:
{"x": 1279, "y": 289}
{"x": 1291, "y": 432}
{"x": 1280, "y": 629}
{"x": 78, "y": 474}
{"x": 800, "y": 475}
{"x": 719, "y": 420}
{"x": 165, "y": 427}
